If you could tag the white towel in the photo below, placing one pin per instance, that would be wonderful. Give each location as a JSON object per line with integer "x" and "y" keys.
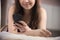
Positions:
{"x": 10, "y": 36}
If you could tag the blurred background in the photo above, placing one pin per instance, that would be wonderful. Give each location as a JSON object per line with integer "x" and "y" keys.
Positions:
{"x": 52, "y": 7}
{"x": 0, "y": 13}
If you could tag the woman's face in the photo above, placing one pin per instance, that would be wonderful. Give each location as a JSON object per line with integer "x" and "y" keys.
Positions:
{"x": 27, "y": 4}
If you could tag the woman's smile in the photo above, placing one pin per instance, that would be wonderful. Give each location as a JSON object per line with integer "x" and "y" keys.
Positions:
{"x": 27, "y": 4}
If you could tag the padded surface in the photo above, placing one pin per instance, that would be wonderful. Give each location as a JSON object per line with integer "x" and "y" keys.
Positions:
{"x": 10, "y": 36}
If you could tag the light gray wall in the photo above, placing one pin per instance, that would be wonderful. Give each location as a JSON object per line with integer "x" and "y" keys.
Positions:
{"x": 53, "y": 16}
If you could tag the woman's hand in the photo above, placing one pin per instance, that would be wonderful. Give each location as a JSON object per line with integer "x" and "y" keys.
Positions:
{"x": 44, "y": 32}
{"x": 22, "y": 26}
{"x": 38, "y": 32}
{"x": 24, "y": 29}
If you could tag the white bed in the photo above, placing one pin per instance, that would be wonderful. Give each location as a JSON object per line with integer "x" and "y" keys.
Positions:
{"x": 10, "y": 36}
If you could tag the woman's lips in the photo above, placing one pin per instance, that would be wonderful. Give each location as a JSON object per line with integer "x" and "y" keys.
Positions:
{"x": 27, "y": 4}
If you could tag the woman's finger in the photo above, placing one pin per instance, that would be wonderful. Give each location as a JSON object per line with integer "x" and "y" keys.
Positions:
{"x": 47, "y": 32}
{"x": 43, "y": 34}
{"x": 23, "y": 23}
{"x": 18, "y": 25}
{"x": 20, "y": 28}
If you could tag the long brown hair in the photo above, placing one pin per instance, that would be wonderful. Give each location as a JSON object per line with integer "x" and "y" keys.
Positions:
{"x": 34, "y": 14}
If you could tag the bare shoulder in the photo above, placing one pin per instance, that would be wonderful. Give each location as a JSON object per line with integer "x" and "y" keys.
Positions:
{"x": 42, "y": 8}
{"x": 11, "y": 9}
{"x": 42, "y": 11}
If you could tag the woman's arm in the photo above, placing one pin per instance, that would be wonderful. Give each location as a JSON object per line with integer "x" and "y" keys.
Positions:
{"x": 43, "y": 22}
{"x": 10, "y": 19}
{"x": 42, "y": 18}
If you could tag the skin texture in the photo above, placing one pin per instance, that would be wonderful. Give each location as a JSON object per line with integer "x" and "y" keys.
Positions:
{"x": 24, "y": 28}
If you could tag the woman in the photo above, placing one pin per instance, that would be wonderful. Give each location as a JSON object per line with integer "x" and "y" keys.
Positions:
{"x": 28, "y": 17}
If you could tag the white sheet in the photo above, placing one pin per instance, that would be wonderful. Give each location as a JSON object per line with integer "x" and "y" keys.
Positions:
{"x": 10, "y": 36}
